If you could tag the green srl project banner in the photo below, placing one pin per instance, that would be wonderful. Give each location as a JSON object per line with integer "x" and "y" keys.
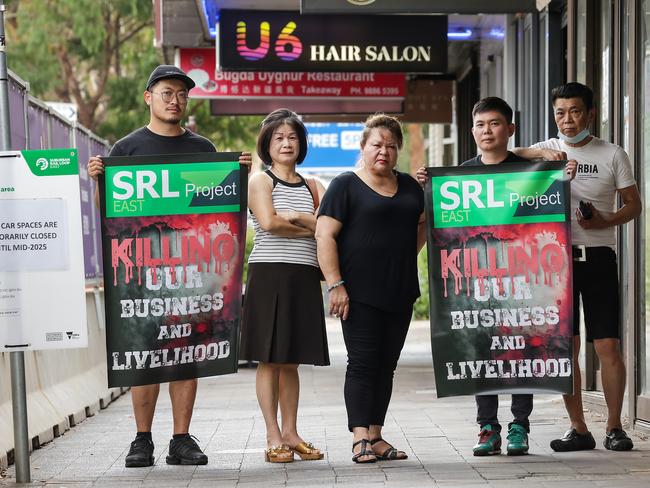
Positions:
{"x": 42, "y": 286}
{"x": 173, "y": 237}
{"x": 500, "y": 278}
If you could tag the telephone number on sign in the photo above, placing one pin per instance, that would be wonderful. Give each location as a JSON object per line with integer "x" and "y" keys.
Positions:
{"x": 382, "y": 91}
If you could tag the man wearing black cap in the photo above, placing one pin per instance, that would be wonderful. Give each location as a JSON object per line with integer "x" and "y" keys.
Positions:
{"x": 166, "y": 95}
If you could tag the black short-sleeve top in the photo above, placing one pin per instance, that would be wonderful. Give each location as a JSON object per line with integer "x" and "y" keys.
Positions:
{"x": 510, "y": 158}
{"x": 377, "y": 244}
{"x": 144, "y": 142}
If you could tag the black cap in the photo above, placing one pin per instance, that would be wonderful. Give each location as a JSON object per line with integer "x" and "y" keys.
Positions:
{"x": 166, "y": 71}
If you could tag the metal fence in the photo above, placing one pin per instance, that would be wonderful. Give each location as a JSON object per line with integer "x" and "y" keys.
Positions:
{"x": 34, "y": 125}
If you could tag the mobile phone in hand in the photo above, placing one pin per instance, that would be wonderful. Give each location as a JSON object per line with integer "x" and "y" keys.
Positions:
{"x": 585, "y": 210}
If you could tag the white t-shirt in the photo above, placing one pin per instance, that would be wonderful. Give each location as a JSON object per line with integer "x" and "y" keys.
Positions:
{"x": 603, "y": 168}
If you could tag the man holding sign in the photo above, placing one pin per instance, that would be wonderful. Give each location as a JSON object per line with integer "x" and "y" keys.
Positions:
{"x": 167, "y": 93}
{"x": 492, "y": 128}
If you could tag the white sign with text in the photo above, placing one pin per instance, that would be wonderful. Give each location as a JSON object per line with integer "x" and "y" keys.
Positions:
{"x": 42, "y": 286}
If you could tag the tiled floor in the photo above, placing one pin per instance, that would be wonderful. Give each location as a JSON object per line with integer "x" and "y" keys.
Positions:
{"x": 437, "y": 434}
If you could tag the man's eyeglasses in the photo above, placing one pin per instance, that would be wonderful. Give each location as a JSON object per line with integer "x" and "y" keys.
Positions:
{"x": 168, "y": 95}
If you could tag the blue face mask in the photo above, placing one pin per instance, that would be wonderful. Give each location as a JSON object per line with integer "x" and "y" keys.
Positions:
{"x": 578, "y": 138}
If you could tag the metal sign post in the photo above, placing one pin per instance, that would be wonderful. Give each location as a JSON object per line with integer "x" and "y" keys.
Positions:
{"x": 17, "y": 359}
{"x": 19, "y": 407}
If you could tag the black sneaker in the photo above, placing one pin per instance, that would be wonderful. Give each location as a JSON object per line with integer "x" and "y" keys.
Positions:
{"x": 572, "y": 441}
{"x": 184, "y": 450}
{"x": 141, "y": 453}
{"x": 617, "y": 440}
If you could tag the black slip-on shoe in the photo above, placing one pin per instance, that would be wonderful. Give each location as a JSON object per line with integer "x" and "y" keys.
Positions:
{"x": 184, "y": 450}
{"x": 572, "y": 441}
{"x": 617, "y": 440}
{"x": 140, "y": 454}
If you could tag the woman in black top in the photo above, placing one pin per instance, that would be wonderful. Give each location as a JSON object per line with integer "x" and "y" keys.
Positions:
{"x": 369, "y": 231}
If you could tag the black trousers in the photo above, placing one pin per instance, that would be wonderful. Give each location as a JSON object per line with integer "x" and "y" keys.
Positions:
{"x": 488, "y": 407}
{"x": 374, "y": 339}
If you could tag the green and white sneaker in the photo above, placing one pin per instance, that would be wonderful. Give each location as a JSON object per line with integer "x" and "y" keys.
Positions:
{"x": 489, "y": 442}
{"x": 517, "y": 440}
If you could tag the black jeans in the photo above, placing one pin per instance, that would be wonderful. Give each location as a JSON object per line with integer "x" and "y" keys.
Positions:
{"x": 374, "y": 339}
{"x": 488, "y": 407}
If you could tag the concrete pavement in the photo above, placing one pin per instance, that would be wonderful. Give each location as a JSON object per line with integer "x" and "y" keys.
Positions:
{"x": 437, "y": 434}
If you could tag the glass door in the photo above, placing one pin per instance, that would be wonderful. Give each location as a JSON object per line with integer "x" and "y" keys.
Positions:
{"x": 643, "y": 351}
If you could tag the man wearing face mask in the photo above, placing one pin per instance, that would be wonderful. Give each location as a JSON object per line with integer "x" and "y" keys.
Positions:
{"x": 603, "y": 172}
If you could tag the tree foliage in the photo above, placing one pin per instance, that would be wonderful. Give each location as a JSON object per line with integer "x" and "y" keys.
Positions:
{"x": 80, "y": 51}
{"x": 98, "y": 55}
{"x": 228, "y": 133}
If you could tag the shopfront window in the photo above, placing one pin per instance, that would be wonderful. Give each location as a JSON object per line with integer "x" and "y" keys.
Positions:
{"x": 605, "y": 49}
{"x": 581, "y": 42}
{"x": 624, "y": 74}
{"x": 644, "y": 119}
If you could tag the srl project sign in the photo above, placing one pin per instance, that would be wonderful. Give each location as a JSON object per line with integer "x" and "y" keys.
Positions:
{"x": 288, "y": 41}
{"x": 173, "y": 235}
{"x": 500, "y": 267}
{"x": 42, "y": 287}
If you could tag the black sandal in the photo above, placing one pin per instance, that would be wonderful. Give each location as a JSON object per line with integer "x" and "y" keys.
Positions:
{"x": 363, "y": 451}
{"x": 390, "y": 454}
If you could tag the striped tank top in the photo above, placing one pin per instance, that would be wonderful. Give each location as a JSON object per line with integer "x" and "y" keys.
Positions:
{"x": 271, "y": 248}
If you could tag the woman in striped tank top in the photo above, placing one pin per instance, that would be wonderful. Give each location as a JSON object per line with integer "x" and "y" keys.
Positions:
{"x": 283, "y": 321}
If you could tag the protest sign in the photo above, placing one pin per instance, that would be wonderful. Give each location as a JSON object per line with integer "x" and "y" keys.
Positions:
{"x": 173, "y": 232}
{"x": 499, "y": 249}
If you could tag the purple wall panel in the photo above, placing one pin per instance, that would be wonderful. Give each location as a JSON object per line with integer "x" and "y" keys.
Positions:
{"x": 17, "y": 116}
{"x": 86, "y": 189}
{"x": 98, "y": 241}
{"x": 37, "y": 118}
{"x": 97, "y": 148}
{"x": 60, "y": 133}
{"x": 83, "y": 150}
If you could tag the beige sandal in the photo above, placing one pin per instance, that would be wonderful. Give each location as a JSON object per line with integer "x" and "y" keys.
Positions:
{"x": 278, "y": 454}
{"x": 307, "y": 451}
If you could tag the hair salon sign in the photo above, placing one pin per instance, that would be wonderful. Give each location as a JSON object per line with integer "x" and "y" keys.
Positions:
{"x": 288, "y": 41}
